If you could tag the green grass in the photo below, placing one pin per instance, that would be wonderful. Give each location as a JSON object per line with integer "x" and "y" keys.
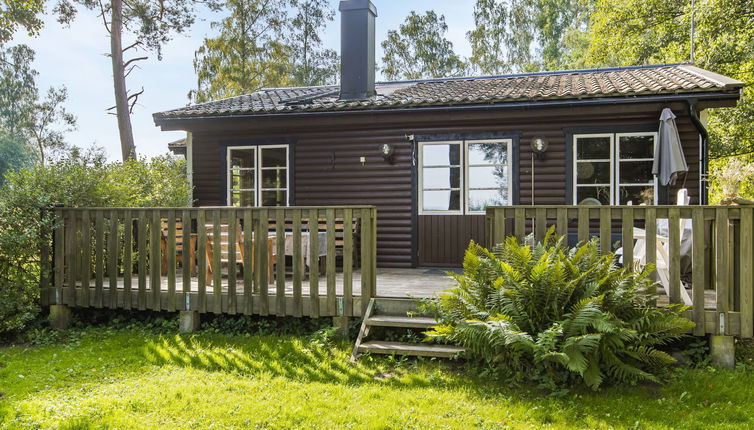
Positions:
{"x": 132, "y": 379}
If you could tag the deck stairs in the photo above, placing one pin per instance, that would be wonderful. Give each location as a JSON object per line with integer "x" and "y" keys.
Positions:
{"x": 398, "y": 313}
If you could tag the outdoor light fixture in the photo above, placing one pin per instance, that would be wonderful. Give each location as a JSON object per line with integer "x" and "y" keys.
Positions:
{"x": 387, "y": 150}
{"x": 539, "y": 145}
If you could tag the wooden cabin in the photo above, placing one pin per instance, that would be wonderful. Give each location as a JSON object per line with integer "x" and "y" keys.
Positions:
{"x": 432, "y": 154}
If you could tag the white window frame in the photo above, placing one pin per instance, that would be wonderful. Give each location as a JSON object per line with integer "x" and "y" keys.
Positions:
{"x": 467, "y": 168}
{"x": 258, "y": 173}
{"x": 615, "y": 159}
{"x": 463, "y": 164}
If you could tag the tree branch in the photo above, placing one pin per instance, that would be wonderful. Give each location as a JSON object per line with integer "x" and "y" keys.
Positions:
{"x": 104, "y": 16}
{"x": 135, "y": 97}
{"x": 133, "y": 45}
{"x": 133, "y": 60}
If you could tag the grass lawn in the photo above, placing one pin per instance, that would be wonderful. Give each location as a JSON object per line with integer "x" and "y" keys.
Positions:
{"x": 132, "y": 379}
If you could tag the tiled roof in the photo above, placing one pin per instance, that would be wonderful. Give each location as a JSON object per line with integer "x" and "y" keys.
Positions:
{"x": 577, "y": 84}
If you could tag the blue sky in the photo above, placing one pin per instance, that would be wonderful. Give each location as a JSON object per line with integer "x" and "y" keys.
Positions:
{"x": 75, "y": 57}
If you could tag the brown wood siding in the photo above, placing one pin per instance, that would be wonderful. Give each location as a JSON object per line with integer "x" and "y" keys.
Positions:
{"x": 443, "y": 239}
{"x": 316, "y": 142}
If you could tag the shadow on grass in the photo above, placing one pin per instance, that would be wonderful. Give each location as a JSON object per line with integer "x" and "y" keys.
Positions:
{"x": 295, "y": 358}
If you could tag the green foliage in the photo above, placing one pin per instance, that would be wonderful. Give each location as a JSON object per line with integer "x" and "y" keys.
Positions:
{"x": 260, "y": 45}
{"x": 20, "y": 13}
{"x": 419, "y": 49}
{"x": 78, "y": 180}
{"x": 34, "y": 125}
{"x": 558, "y": 316}
{"x": 630, "y": 32}
{"x": 14, "y": 154}
{"x": 523, "y": 35}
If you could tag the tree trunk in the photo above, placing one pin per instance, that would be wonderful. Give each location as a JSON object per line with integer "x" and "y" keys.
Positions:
{"x": 123, "y": 113}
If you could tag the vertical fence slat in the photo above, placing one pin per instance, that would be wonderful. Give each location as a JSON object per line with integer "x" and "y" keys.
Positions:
{"x": 142, "y": 252}
{"x": 99, "y": 258}
{"x": 248, "y": 264}
{"x": 59, "y": 256}
{"x": 605, "y": 231}
{"x": 650, "y": 226}
{"x": 697, "y": 271}
{"x": 519, "y": 223}
{"x": 348, "y": 262}
{"x": 232, "y": 239}
{"x": 747, "y": 272}
{"x": 583, "y": 224}
{"x": 313, "y": 226}
{"x": 332, "y": 305}
{"x": 674, "y": 253}
{"x": 280, "y": 261}
{"x": 262, "y": 251}
{"x": 46, "y": 251}
{"x": 366, "y": 255}
{"x": 155, "y": 260}
{"x": 217, "y": 270}
{"x": 86, "y": 257}
{"x": 201, "y": 255}
{"x": 721, "y": 266}
{"x": 561, "y": 221}
{"x": 188, "y": 255}
{"x": 171, "y": 258}
{"x": 627, "y": 240}
{"x": 71, "y": 258}
{"x": 540, "y": 222}
{"x": 298, "y": 264}
{"x": 498, "y": 227}
{"x": 128, "y": 263}
{"x": 113, "y": 243}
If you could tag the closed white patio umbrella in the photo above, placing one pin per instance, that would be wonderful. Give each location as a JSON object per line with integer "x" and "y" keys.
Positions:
{"x": 669, "y": 159}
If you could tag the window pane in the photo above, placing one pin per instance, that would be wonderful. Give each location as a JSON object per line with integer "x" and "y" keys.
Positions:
{"x": 488, "y": 177}
{"x": 636, "y": 194}
{"x": 480, "y": 199}
{"x": 488, "y": 153}
{"x": 441, "y": 200}
{"x": 441, "y": 177}
{"x": 242, "y": 198}
{"x": 241, "y": 179}
{"x": 636, "y": 146}
{"x": 274, "y": 157}
{"x": 441, "y": 155}
{"x": 600, "y": 193}
{"x": 588, "y": 172}
{"x": 274, "y": 198}
{"x": 593, "y": 148}
{"x": 636, "y": 172}
{"x": 276, "y": 178}
{"x": 242, "y": 158}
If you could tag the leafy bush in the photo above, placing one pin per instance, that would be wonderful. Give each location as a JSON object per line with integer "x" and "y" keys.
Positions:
{"x": 80, "y": 179}
{"x": 558, "y": 316}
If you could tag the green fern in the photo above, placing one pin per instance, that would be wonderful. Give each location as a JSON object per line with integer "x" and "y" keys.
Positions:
{"x": 556, "y": 315}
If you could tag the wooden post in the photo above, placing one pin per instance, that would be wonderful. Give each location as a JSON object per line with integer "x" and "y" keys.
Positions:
{"x": 188, "y": 321}
{"x": 60, "y": 317}
{"x": 342, "y": 324}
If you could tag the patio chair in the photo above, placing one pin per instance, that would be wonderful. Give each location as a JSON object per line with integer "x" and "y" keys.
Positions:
{"x": 662, "y": 244}
{"x": 180, "y": 248}
{"x": 225, "y": 251}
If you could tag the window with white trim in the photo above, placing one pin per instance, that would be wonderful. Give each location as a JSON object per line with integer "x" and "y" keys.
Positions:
{"x": 614, "y": 168}
{"x": 258, "y": 175}
{"x": 458, "y": 177}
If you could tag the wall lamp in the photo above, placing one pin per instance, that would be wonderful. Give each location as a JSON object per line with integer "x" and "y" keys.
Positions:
{"x": 388, "y": 151}
{"x": 539, "y": 145}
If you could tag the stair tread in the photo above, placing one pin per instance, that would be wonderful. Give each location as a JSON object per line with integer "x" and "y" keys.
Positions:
{"x": 401, "y": 321}
{"x": 405, "y": 348}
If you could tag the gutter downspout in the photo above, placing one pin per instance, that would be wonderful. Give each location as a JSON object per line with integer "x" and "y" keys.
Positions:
{"x": 703, "y": 152}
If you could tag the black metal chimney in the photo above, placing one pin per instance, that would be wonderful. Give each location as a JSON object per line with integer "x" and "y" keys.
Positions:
{"x": 357, "y": 49}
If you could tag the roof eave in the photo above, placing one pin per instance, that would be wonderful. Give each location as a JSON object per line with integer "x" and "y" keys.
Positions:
{"x": 733, "y": 94}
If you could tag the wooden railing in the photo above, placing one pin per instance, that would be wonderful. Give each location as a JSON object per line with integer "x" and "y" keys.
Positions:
{"x": 722, "y": 250}
{"x": 216, "y": 259}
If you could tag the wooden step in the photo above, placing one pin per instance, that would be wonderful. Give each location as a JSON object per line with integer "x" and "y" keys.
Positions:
{"x": 401, "y": 321}
{"x": 395, "y": 306}
{"x": 404, "y": 348}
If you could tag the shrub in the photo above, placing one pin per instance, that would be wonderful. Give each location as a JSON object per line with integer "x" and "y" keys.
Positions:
{"x": 80, "y": 179}
{"x": 558, "y": 316}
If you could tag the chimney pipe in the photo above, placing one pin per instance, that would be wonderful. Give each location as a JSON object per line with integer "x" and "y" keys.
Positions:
{"x": 357, "y": 49}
